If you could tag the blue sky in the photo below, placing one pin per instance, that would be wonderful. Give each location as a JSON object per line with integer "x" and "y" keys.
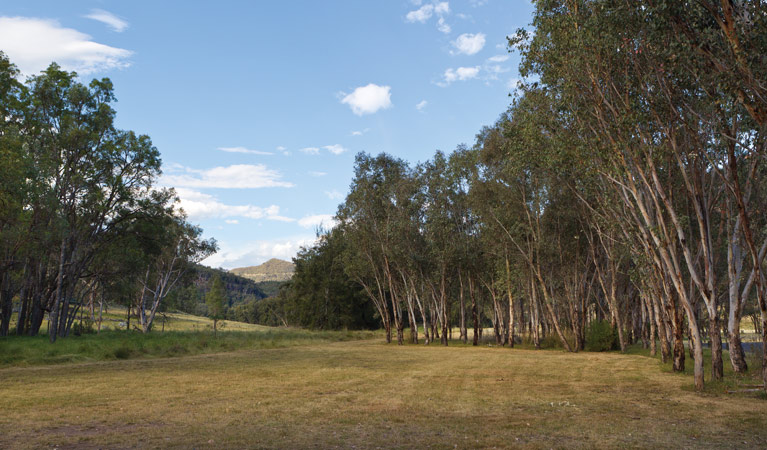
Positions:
{"x": 258, "y": 108}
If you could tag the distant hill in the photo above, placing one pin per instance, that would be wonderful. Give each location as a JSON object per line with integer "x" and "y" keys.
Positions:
{"x": 189, "y": 295}
{"x": 272, "y": 270}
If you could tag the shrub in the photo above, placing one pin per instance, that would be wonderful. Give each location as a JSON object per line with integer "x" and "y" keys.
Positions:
{"x": 600, "y": 336}
{"x": 83, "y": 327}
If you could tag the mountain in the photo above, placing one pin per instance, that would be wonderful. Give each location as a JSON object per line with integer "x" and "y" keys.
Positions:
{"x": 189, "y": 295}
{"x": 272, "y": 270}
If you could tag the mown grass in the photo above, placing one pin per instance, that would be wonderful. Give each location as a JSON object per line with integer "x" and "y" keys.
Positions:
{"x": 366, "y": 394}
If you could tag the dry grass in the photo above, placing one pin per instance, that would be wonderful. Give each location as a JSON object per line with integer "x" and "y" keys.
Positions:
{"x": 366, "y": 394}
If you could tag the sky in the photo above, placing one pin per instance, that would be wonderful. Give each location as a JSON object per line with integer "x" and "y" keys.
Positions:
{"x": 258, "y": 108}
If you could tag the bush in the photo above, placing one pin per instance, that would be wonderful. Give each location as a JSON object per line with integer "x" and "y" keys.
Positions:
{"x": 83, "y": 327}
{"x": 600, "y": 337}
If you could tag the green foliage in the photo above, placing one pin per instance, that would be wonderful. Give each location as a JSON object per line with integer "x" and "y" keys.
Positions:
{"x": 601, "y": 337}
{"x": 215, "y": 300}
{"x": 270, "y": 288}
{"x": 321, "y": 295}
{"x": 113, "y": 344}
{"x": 189, "y": 296}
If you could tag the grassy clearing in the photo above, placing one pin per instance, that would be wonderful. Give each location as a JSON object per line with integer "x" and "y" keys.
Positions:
{"x": 367, "y": 394}
{"x": 114, "y": 318}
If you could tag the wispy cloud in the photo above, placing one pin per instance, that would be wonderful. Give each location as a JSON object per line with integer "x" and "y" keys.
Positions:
{"x": 32, "y": 44}
{"x": 199, "y": 205}
{"x": 443, "y": 27}
{"x": 498, "y": 58}
{"x": 107, "y": 18}
{"x": 421, "y": 105}
{"x": 359, "y": 132}
{"x": 469, "y": 44}
{"x": 460, "y": 74}
{"x": 232, "y": 221}
{"x": 368, "y": 99}
{"x": 429, "y": 10}
{"x": 334, "y": 194}
{"x": 315, "y": 173}
{"x": 259, "y": 251}
{"x": 243, "y": 150}
{"x": 318, "y": 220}
{"x": 238, "y": 176}
{"x": 335, "y": 149}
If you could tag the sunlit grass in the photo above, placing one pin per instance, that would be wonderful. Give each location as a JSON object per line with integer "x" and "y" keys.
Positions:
{"x": 367, "y": 394}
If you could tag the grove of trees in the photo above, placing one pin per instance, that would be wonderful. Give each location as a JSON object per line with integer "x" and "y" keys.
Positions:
{"x": 625, "y": 183}
{"x": 81, "y": 220}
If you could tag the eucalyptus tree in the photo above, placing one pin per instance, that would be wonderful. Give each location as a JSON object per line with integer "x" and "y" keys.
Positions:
{"x": 14, "y": 192}
{"x": 369, "y": 217}
{"x": 170, "y": 246}
{"x": 74, "y": 189}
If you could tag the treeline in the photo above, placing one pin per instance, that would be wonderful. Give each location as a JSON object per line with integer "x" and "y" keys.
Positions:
{"x": 626, "y": 182}
{"x": 189, "y": 296}
{"x": 81, "y": 221}
{"x": 320, "y": 294}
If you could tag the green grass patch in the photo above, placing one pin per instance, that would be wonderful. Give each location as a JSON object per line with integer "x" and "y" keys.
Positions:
{"x": 114, "y": 345}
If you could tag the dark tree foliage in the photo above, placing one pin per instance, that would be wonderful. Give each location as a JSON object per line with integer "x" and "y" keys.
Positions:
{"x": 320, "y": 295}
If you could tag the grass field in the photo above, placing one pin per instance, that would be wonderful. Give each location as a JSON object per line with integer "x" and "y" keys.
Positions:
{"x": 366, "y": 394}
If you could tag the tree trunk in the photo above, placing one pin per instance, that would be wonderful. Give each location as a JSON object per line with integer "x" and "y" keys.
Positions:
{"x": 464, "y": 331}
{"x": 717, "y": 366}
{"x": 678, "y": 339}
{"x": 474, "y": 313}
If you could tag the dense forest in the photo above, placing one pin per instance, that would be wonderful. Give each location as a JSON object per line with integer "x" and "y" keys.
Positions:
{"x": 625, "y": 186}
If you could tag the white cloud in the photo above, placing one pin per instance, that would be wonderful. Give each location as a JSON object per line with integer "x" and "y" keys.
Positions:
{"x": 425, "y": 12}
{"x": 335, "y": 149}
{"x": 108, "y": 19}
{"x": 441, "y": 8}
{"x": 238, "y": 176}
{"x": 469, "y": 44}
{"x": 257, "y": 252}
{"x": 421, "y": 14}
{"x": 513, "y": 83}
{"x": 421, "y": 105}
{"x": 32, "y": 44}
{"x": 498, "y": 58}
{"x": 443, "y": 26}
{"x": 334, "y": 194}
{"x": 476, "y": 3}
{"x": 205, "y": 206}
{"x": 459, "y": 74}
{"x": 317, "y": 174}
{"x": 317, "y": 220}
{"x": 360, "y": 132}
{"x": 243, "y": 150}
{"x": 232, "y": 221}
{"x": 311, "y": 150}
{"x": 368, "y": 99}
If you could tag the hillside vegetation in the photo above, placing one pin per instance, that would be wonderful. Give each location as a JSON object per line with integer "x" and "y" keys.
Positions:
{"x": 272, "y": 270}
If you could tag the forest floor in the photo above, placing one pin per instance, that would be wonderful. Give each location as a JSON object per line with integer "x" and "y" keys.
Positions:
{"x": 367, "y": 394}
